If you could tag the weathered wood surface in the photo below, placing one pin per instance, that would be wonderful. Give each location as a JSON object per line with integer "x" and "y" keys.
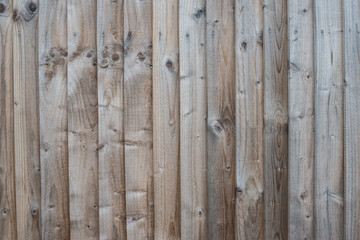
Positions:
{"x": 192, "y": 27}
{"x": 138, "y": 123}
{"x": 249, "y": 222}
{"x": 26, "y": 119}
{"x": 166, "y": 90}
{"x": 83, "y": 119}
{"x": 220, "y": 72}
{"x": 110, "y": 52}
{"x": 329, "y": 117}
{"x": 352, "y": 112}
{"x": 301, "y": 120}
{"x": 53, "y": 119}
{"x": 7, "y": 168}
{"x": 179, "y": 119}
{"x": 276, "y": 118}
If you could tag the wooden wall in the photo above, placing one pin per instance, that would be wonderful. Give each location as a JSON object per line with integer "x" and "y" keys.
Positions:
{"x": 179, "y": 119}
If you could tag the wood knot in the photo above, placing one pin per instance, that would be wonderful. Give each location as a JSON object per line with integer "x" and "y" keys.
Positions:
{"x": 199, "y": 12}
{"x": 15, "y": 15}
{"x": 2, "y": 8}
{"x": 217, "y": 126}
{"x": 239, "y": 191}
{"x": 5, "y": 211}
{"x": 141, "y": 56}
{"x": 115, "y": 57}
{"x": 32, "y": 7}
{"x": 303, "y": 195}
{"x": 169, "y": 64}
{"x": 34, "y": 212}
{"x": 244, "y": 45}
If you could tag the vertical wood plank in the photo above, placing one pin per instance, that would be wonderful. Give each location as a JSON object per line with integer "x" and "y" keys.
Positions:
{"x": 301, "y": 122}
{"x": 26, "y": 119}
{"x": 250, "y": 214}
{"x": 276, "y": 118}
{"x": 83, "y": 120}
{"x": 7, "y": 170}
{"x": 110, "y": 43}
{"x": 329, "y": 122}
{"x": 138, "y": 119}
{"x": 220, "y": 69}
{"x": 193, "y": 118}
{"x": 53, "y": 119}
{"x": 166, "y": 119}
{"x": 352, "y": 113}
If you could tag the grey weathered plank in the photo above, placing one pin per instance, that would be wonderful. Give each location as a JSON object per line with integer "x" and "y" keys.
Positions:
{"x": 53, "y": 119}
{"x": 352, "y": 113}
{"x": 221, "y": 150}
{"x": 329, "y": 122}
{"x": 138, "y": 119}
{"x": 166, "y": 119}
{"x": 192, "y": 118}
{"x": 7, "y": 168}
{"x": 83, "y": 119}
{"x": 276, "y": 118}
{"x": 301, "y": 122}
{"x": 110, "y": 50}
{"x": 26, "y": 119}
{"x": 250, "y": 214}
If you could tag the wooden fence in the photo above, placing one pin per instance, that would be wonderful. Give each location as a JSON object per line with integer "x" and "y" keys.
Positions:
{"x": 169, "y": 119}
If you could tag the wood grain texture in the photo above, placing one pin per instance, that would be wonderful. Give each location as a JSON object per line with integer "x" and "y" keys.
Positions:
{"x": 26, "y": 119}
{"x": 276, "y": 118}
{"x": 166, "y": 119}
{"x": 138, "y": 119}
{"x": 329, "y": 135}
{"x": 83, "y": 119}
{"x": 53, "y": 120}
{"x": 110, "y": 45}
{"x": 301, "y": 122}
{"x": 250, "y": 214}
{"x": 352, "y": 113}
{"x": 7, "y": 168}
{"x": 220, "y": 72}
{"x": 193, "y": 115}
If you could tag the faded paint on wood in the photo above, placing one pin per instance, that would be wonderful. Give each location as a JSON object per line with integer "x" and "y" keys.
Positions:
{"x": 249, "y": 211}
{"x": 329, "y": 117}
{"x": 166, "y": 119}
{"x": 301, "y": 118}
{"x": 83, "y": 120}
{"x": 276, "y": 118}
{"x": 7, "y": 169}
{"x": 110, "y": 47}
{"x": 138, "y": 123}
{"x": 220, "y": 66}
{"x": 53, "y": 119}
{"x": 193, "y": 172}
{"x": 352, "y": 114}
{"x": 26, "y": 119}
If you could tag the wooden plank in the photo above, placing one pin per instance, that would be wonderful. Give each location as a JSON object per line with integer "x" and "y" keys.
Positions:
{"x": 138, "y": 119}
{"x": 83, "y": 120}
{"x": 110, "y": 45}
{"x": 276, "y": 118}
{"x": 250, "y": 215}
{"x": 220, "y": 72}
{"x": 329, "y": 122}
{"x": 7, "y": 168}
{"x": 53, "y": 119}
{"x": 301, "y": 122}
{"x": 166, "y": 119}
{"x": 193, "y": 104}
{"x": 26, "y": 119}
{"x": 352, "y": 113}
